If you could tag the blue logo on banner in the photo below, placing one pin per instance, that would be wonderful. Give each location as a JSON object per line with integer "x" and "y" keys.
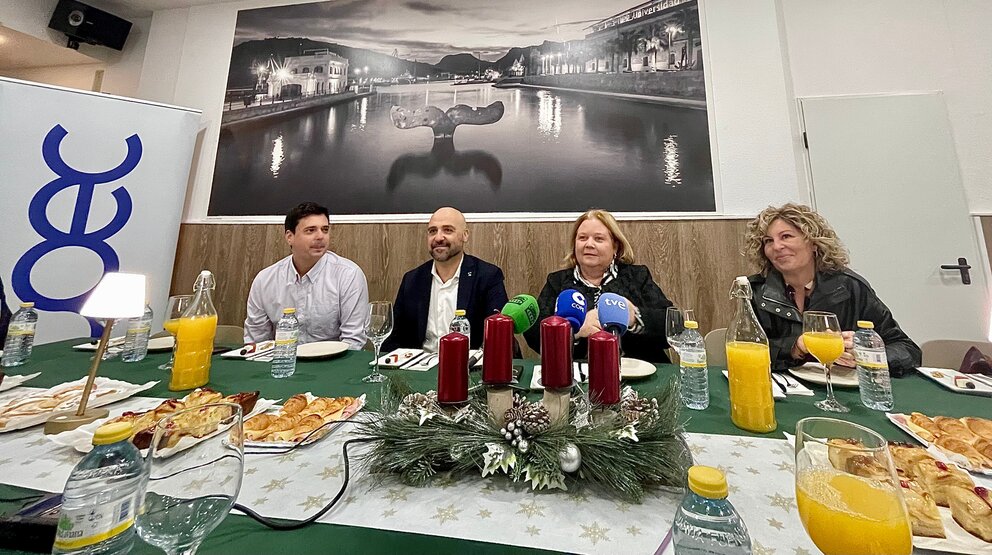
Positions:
{"x": 76, "y": 236}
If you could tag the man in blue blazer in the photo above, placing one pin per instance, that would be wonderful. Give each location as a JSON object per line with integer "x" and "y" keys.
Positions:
{"x": 451, "y": 280}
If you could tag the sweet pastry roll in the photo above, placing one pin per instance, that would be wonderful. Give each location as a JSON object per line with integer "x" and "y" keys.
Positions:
{"x": 936, "y": 477}
{"x": 954, "y": 428}
{"x": 984, "y": 446}
{"x": 972, "y": 509}
{"x": 923, "y": 426}
{"x": 202, "y": 396}
{"x": 840, "y": 450}
{"x": 963, "y": 448}
{"x": 256, "y": 426}
{"x": 866, "y": 466}
{"x": 924, "y": 517}
{"x": 319, "y": 406}
{"x": 295, "y": 404}
{"x": 307, "y": 425}
{"x": 905, "y": 456}
{"x": 979, "y": 426}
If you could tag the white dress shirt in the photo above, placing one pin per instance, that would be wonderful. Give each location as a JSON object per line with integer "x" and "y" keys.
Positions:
{"x": 331, "y": 301}
{"x": 444, "y": 300}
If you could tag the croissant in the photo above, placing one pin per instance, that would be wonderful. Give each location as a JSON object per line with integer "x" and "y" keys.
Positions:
{"x": 961, "y": 447}
{"x": 923, "y": 426}
{"x": 295, "y": 404}
{"x": 984, "y": 447}
{"x": 979, "y": 426}
{"x": 306, "y": 425}
{"x": 955, "y": 428}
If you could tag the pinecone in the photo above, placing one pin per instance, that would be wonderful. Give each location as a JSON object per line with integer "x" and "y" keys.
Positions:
{"x": 519, "y": 400}
{"x": 412, "y": 403}
{"x": 635, "y": 408}
{"x": 514, "y": 414}
{"x": 536, "y": 419}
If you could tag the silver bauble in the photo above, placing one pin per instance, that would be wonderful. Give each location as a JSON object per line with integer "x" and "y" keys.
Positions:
{"x": 524, "y": 445}
{"x": 508, "y": 436}
{"x": 502, "y": 431}
{"x": 570, "y": 457}
{"x": 517, "y": 432}
{"x": 510, "y": 427}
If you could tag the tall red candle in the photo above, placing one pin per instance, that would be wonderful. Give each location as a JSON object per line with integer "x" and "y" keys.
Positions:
{"x": 452, "y": 371}
{"x": 556, "y": 353}
{"x": 604, "y": 368}
{"x": 497, "y": 350}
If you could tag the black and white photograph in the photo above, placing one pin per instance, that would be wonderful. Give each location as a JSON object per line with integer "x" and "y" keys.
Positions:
{"x": 380, "y": 107}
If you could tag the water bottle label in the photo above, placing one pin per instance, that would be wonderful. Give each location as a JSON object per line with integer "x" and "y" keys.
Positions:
{"x": 875, "y": 360}
{"x": 20, "y": 329}
{"x": 91, "y": 525}
{"x": 287, "y": 337}
{"x": 693, "y": 359}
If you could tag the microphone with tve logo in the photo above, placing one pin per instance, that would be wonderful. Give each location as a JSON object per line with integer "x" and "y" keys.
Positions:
{"x": 571, "y": 305}
{"x": 614, "y": 313}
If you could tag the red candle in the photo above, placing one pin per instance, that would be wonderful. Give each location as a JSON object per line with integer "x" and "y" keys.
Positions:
{"x": 497, "y": 350}
{"x": 556, "y": 353}
{"x": 452, "y": 371}
{"x": 604, "y": 368}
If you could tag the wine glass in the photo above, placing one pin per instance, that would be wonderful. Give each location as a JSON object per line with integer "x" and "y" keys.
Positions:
{"x": 195, "y": 465}
{"x": 849, "y": 497}
{"x": 177, "y": 305}
{"x": 377, "y": 328}
{"x": 821, "y": 334}
{"x": 674, "y": 326}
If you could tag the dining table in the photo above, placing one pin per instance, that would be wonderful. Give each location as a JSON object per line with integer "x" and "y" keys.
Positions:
{"x": 452, "y": 516}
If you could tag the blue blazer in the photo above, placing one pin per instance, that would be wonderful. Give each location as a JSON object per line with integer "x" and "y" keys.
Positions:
{"x": 481, "y": 292}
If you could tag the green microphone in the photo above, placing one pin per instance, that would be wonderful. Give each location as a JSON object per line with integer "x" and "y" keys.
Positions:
{"x": 523, "y": 310}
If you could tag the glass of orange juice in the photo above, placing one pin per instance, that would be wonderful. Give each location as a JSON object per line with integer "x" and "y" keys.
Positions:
{"x": 177, "y": 305}
{"x": 847, "y": 491}
{"x": 821, "y": 335}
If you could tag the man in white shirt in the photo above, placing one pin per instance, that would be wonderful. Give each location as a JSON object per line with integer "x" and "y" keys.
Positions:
{"x": 329, "y": 292}
{"x": 430, "y": 294}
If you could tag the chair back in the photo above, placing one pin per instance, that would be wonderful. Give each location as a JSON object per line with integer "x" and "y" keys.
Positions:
{"x": 716, "y": 348}
{"x": 948, "y": 353}
{"x": 230, "y": 336}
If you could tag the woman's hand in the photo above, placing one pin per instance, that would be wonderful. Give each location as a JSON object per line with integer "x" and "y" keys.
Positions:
{"x": 591, "y": 324}
{"x": 632, "y": 320}
{"x": 847, "y": 359}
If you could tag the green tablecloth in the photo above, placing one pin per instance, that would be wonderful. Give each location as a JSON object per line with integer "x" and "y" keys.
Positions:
{"x": 342, "y": 376}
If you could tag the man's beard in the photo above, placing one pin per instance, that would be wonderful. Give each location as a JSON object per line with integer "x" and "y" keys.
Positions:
{"x": 451, "y": 253}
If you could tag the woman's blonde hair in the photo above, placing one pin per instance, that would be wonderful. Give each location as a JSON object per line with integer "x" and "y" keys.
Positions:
{"x": 625, "y": 252}
{"x": 828, "y": 251}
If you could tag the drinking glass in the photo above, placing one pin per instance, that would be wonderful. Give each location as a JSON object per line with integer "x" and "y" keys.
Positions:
{"x": 675, "y": 325}
{"x": 195, "y": 466}
{"x": 821, "y": 334}
{"x": 177, "y": 305}
{"x": 377, "y": 328}
{"x": 849, "y": 497}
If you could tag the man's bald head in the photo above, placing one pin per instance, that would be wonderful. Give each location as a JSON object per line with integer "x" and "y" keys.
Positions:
{"x": 447, "y": 234}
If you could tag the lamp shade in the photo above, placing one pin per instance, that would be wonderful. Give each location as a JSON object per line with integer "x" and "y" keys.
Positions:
{"x": 118, "y": 295}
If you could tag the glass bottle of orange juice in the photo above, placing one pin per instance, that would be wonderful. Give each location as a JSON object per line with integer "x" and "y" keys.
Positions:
{"x": 749, "y": 366}
{"x": 195, "y": 337}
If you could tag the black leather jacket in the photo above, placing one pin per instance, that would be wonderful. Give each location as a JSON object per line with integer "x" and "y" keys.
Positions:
{"x": 4, "y": 315}
{"x": 846, "y": 294}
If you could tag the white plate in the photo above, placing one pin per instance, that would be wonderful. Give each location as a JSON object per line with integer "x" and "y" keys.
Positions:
{"x": 161, "y": 344}
{"x": 397, "y": 357}
{"x": 579, "y": 371}
{"x": 814, "y": 372}
{"x": 105, "y": 391}
{"x": 253, "y": 351}
{"x": 321, "y": 349}
{"x": 945, "y": 377}
{"x": 636, "y": 368}
{"x": 10, "y": 382}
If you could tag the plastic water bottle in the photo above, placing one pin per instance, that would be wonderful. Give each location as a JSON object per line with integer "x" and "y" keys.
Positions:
{"x": 706, "y": 523}
{"x": 20, "y": 336}
{"x": 461, "y": 325}
{"x": 101, "y": 497}
{"x": 136, "y": 338}
{"x": 873, "y": 367}
{"x": 287, "y": 338}
{"x": 693, "y": 374}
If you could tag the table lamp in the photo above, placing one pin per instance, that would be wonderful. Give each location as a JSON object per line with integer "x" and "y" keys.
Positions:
{"x": 118, "y": 295}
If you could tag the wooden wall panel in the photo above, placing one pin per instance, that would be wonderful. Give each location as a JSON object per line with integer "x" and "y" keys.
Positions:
{"x": 694, "y": 261}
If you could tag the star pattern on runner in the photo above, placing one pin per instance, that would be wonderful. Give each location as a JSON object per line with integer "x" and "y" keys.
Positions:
{"x": 196, "y": 485}
{"x": 313, "y": 502}
{"x": 5, "y": 461}
{"x": 533, "y": 531}
{"x": 276, "y": 484}
{"x": 727, "y": 470}
{"x": 758, "y": 549}
{"x": 330, "y": 472}
{"x": 800, "y": 551}
{"x": 488, "y": 489}
{"x": 289, "y": 457}
{"x": 753, "y": 470}
{"x": 622, "y": 507}
{"x": 594, "y": 533}
{"x": 303, "y": 465}
{"x": 394, "y": 495}
{"x": 38, "y": 442}
{"x": 485, "y": 513}
{"x": 775, "y": 524}
{"x": 579, "y": 497}
{"x": 260, "y": 501}
{"x": 785, "y": 466}
{"x": 388, "y": 513}
{"x": 736, "y": 454}
{"x": 782, "y": 502}
{"x": 697, "y": 449}
{"x": 744, "y": 443}
{"x": 444, "y": 514}
{"x": 633, "y": 530}
{"x": 250, "y": 471}
{"x": 531, "y": 509}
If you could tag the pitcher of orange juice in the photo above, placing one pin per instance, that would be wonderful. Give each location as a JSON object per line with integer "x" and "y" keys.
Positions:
{"x": 195, "y": 337}
{"x": 752, "y": 407}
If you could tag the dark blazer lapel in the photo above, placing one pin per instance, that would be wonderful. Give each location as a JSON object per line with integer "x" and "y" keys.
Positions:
{"x": 423, "y": 292}
{"x": 466, "y": 283}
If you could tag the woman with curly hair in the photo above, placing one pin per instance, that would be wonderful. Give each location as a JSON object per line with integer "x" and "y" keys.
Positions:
{"x": 804, "y": 266}
{"x": 601, "y": 260}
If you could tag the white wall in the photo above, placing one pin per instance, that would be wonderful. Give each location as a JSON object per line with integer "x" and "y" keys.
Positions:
{"x": 188, "y": 55}
{"x": 74, "y": 76}
{"x": 122, "y": 70}
{"x": 884, "y": 46}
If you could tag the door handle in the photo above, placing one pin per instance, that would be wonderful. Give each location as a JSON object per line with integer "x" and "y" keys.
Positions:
{"x": 963, "y": 267}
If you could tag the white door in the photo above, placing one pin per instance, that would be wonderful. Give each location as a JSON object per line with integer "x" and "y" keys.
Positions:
{"x": 885, "y": 173}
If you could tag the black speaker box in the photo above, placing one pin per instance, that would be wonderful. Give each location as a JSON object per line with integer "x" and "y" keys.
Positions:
{"x": 82, "y": 23}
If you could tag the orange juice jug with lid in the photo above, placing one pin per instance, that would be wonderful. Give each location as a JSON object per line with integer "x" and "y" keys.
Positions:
{"x": 752, "y": 407}
{"x": 195, "y": 337}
